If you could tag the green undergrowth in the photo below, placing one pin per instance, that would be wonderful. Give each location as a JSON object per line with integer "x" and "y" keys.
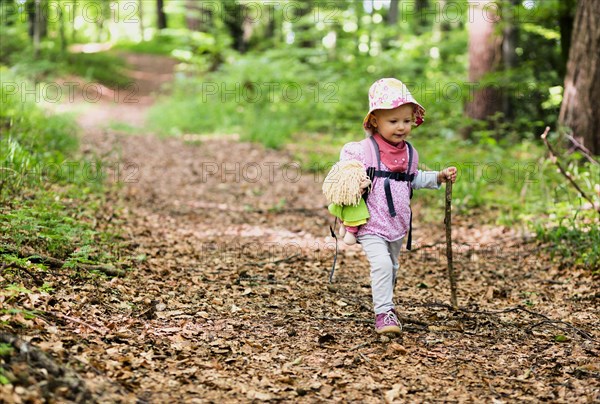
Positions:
{"x": 16, "y": 51}
{"x": 49, "y": 196}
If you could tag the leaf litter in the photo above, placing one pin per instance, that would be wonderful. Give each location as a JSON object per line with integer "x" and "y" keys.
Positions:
{"x": 228, "y": 300}
{"x": 234, "y": 304}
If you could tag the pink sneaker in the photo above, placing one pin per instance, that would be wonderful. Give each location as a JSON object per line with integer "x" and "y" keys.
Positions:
{"x": 387, "y": 323}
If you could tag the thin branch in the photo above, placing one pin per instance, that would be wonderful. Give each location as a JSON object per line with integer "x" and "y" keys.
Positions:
{"x": 33, "y": 256}
{"x": 587, "y": 154}
{"x": 583, "y": 333}
{"x": 279, "y": 261}
{"x": 76, "y": 320}
{"x": 566, "y": 174}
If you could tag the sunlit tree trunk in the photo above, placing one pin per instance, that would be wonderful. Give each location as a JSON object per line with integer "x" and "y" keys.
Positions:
{"x": 392, "y": 18}
{"x": 37, "y": 27}
{"x": 444, "y": 24}
{"x": 161, "y": 17}
{"x": 302, "y": 28}
{"x": 198, "y": 16}
{"x": 37, "y": 18}
{"x": 271, "y": 23}
{"x": 73, "y": 19}
{"x": 509, "y": 46}
{"x": 235, "y": 19}
{"x": 579, "y": 109}
{"x": 485, "y": 55}
{"x": 61, "y": 28}
{"x": 141, "y": 17}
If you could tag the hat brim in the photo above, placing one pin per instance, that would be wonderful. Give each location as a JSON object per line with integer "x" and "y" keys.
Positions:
{"x": 419, "y": 112}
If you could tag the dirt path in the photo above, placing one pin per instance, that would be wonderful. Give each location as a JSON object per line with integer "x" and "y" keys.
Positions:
{"x": 229, "y": 301}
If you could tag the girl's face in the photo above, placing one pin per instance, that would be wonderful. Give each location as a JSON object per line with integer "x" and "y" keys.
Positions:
{"x": 394, "y": 125}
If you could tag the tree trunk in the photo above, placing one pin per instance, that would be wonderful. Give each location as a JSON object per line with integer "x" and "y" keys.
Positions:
{"x": 271, "y": 24}
{"x": 74, "y": 30}
{"x": 36, "y": 28}
{"x": 444, "y": 24}
{"x": 565, "y": 23}
{"x": 63, "y": 35}
{"x": 37, "y": 19}
{"x": 509, "y": 54}
{"x": 392, "y": 18}
{"x": 161, "y": 17}
{"x": 484, "y": 57}
{"x": 235, "y": 20}
{"x": 198, "y": 16}
{"x": 141, "y": 17}
{"x": 579, "y": 109}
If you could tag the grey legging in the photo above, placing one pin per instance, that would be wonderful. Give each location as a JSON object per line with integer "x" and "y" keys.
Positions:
{"x": 383, "y": 257}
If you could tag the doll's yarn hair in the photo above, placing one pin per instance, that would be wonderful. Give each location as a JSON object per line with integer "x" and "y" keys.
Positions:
{"x": 345, "y": 182}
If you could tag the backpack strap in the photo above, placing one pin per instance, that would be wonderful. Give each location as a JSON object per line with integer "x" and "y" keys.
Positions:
{"x": 410, "y": 159}
{"x": 371, "y": 150}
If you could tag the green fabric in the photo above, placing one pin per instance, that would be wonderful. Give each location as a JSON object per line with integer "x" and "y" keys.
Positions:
{"x": 351, "y": 215}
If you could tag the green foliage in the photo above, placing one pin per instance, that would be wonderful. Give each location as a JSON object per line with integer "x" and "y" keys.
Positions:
{"x": 48, "y": 197}
{"x": 572, "y": 244}
{"x": 16, "y": 51}
{"x": 3, "y": 379}
{"x": 32, "y": 145}
{"x": 6, "y": 350}
{"x": 103, "y": 67}
{"x": 198, "y": 49}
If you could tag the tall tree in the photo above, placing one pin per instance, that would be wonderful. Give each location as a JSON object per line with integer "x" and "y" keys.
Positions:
{"x": 238, "y": 21}
{"x": 37, "y": 12}
{"x": 510, "y": 35}
{"x": 392, "y": 18}
{"x": 485, "y": 54}
{"x": 161, "y": 17}
{"x": 579, "y": 109}
{"x": 199, "y": 15}
{"x": 565, "y": 22}
{"x": 141, "y": 17}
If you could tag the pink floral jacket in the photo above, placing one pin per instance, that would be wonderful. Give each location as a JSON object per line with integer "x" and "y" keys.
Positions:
{"x": 381, "y": 223}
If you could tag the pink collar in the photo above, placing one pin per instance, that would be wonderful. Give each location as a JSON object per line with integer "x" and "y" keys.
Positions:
{"x": 395, "y": 157}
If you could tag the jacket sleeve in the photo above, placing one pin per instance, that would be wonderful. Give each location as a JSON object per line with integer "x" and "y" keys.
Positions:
{"x": 426, "y": 179}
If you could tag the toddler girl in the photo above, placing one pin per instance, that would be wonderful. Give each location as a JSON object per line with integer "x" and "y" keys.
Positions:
{"x": 392, "y": 113}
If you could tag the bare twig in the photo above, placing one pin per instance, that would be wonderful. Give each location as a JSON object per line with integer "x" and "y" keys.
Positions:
{"x": 566, "y": 174}
{"x": 358, "y": 346}
{"x": 547, "y": 319}
{"x": 33, "y": 256}
{"x": 448, "y": 223}
{"x": 76, "y": 320}
{"x": 582, "y": 148}
{"x": 38, "y": 282}
{"x": 279, "y": 261}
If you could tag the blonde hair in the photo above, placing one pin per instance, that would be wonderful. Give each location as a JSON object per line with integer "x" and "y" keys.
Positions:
{"x": 345, "y": 182}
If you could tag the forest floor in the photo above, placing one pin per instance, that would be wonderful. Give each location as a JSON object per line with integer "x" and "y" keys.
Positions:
{"x": 229, "y": 300}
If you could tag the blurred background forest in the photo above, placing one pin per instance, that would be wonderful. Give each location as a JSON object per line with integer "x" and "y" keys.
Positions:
{"x": 294, "y": 75}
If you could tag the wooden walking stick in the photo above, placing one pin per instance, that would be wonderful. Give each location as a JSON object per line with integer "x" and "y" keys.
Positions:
{"x": 448, "y": 223}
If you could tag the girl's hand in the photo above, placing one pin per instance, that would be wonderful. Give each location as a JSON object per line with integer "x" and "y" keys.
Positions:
{"x": 447, "y": 174}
